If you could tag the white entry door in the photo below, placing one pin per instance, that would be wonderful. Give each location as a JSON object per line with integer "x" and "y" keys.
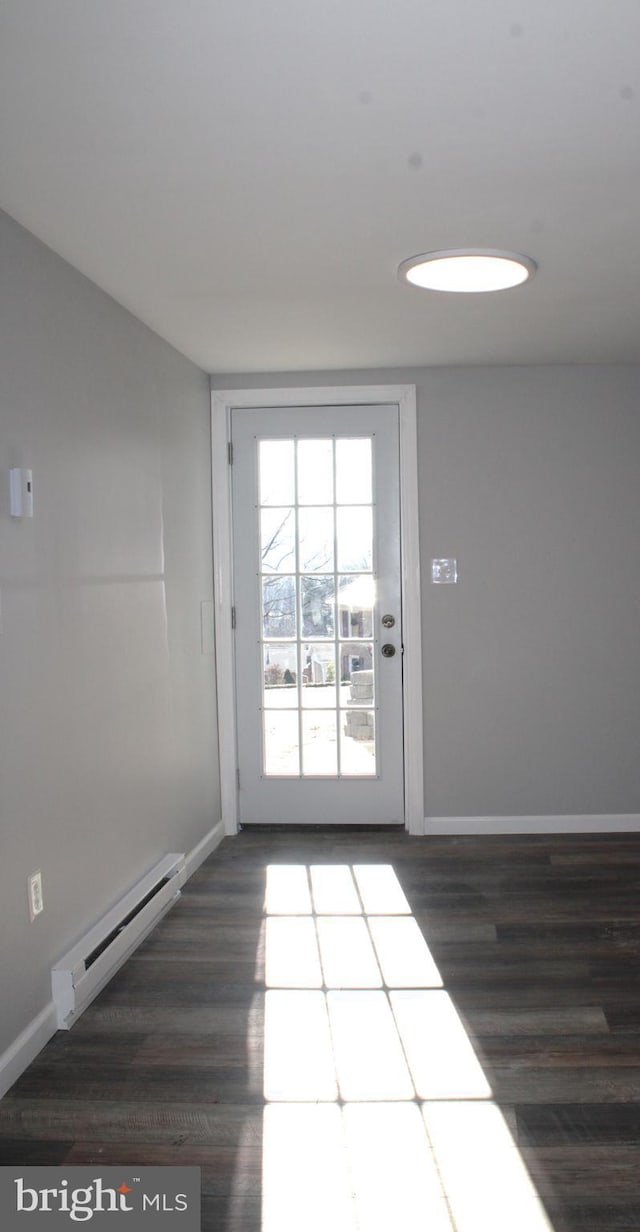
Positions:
{"x": 318, "y": 628}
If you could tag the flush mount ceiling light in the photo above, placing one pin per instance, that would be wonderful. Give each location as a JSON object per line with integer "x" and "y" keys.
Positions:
{"x": 467, "y": 270}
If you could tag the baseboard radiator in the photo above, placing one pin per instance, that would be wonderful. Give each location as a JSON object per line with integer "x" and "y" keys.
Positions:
{"x": 85, "y": 970}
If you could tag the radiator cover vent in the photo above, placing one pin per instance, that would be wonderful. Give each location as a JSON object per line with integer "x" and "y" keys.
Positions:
{"x": 78, "y": 977}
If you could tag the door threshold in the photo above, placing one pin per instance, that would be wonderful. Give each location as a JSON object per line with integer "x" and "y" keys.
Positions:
{"x": 288, "y": 827}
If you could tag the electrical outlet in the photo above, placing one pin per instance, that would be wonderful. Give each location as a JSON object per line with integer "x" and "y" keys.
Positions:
{"x": 34, "y": 893}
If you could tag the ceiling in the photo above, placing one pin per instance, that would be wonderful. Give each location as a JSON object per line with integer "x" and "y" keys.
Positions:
{"x": 246, "y": 175}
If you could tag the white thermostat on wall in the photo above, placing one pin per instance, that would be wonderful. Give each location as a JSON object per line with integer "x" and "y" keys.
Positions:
{"x": 444, "y": 572}
{"x": 21, "y": 492}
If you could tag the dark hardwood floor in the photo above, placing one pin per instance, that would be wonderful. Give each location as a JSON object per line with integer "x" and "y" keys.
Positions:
{"x": 537, "y": 941}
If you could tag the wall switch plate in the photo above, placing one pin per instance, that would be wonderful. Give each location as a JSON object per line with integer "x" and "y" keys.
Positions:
{"x": 444, "y": 571}
{"x": 21, "y": 492}
{"x": 34, "y": 893}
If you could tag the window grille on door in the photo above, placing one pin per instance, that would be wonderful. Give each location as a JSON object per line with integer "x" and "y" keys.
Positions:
{"x": 317, "y": 590}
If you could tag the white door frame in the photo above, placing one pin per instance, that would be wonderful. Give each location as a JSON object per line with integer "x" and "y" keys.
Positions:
{"x": 223, "y": 401}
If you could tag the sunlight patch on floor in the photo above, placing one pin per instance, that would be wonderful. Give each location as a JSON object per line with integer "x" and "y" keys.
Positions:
{"x": 306, "y": 1184}
{"x": 380, "y": 890}
{"x": 291, "y": 956}
{"x": 404, "y": 956}
{"x": 334, "y": 892}
{"x": 395, "y": 1178}
{"x": 487, "y": 1184}
{"x": 298, "y": 1053}
{"x": 440, "y": 1055}
{"x": 347, "y": 955}
{"x": 369, "y": 1059}
{"x": 287, "y": 891}
{"x": 378, "y": 1112}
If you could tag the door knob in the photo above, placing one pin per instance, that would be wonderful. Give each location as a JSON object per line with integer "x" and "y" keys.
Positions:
{"x": 388, "y": 650}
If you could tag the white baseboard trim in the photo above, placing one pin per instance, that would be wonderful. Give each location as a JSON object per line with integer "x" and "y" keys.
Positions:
{"x": 213, "y": 839}
{"x": 26, "y": 1047}
{"x": 39, "y": 1031}
{"x": 564, "y": 823}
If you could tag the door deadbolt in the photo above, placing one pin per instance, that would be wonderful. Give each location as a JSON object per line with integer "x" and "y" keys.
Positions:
{"x": 388, "y": 650}
{"x": 388, "y": 621}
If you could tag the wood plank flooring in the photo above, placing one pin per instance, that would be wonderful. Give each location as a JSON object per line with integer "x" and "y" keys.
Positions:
{"x": 537, "y": 940}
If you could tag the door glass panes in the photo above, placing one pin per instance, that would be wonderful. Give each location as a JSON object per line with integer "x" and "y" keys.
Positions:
{"x": 357, "y": 741}
{"x": 356, "y": 594}
{"x": 355, "y": 538}
{"x": 318, "y": 600}
{"x": 319, "y": 742}
{"x": 317, "y": 619}
{"x": 280, "y": 662}
{"x": 356, "y": 673}
{"x": 316, "y": 531}
{"x": 353, "y": 472}
{"x": 315, "y": 472}
{"x": 276, "y": 472}
{"x": 279, "y": 607}
{"x": 278, "y": 540}
{"x": 319, "y": 675}
{"x": 281, "y": 742}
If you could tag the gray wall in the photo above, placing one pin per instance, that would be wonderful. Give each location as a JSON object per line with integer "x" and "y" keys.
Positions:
{"x": 107, "y": 718}
{"x": 531, "y": 477}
